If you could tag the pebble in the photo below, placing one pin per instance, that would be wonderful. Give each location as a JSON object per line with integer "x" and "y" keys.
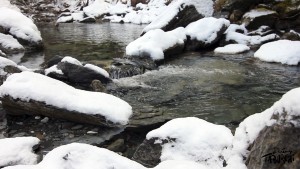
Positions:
{"x": 45, "y": 120}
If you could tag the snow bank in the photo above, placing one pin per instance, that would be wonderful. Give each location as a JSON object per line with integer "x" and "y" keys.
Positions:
{"x": 282, "y": 51}
{"x": 151, "y": 43}
{"x": 71, "y": 60}
{"x": 97, "y": 8}
{"x": 97, "y": 69}
{"x": 286, "y": 109}
{"x": 14, "y": 151}
{"x": 19, "y": 25}
{"x": 191, "y": 139}
{"x": 206, "y": 29}
{"x": 28, "y": 85}
{"x": 10, "y": 44}
{"x": 204, "y": 7}
{"x": 232, "y": 49}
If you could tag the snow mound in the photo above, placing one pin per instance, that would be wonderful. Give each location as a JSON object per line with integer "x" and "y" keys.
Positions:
{"x": 286, "y": 109}
{"x": 232, "y": 49}
{"x": 71, "y": 60}
{"x": 204, "y": 7}
{"x": 19, "y": 25}
{"x": 97, "y": 69}
{"x": 82, "y": 156}
{"x": 206, "y": 29}
{"x": 14, "y": 151}
{"x": 32, "y": 86}
{"x": 191, "y": 139}
{"x": 97, "y": 8}
{"x": 8, "y": 43}
{"x": 151, "y": 43}
{"x": 281, "y": 51}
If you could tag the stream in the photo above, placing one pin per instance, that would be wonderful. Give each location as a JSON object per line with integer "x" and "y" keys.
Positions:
{"x": 222, "y": 89}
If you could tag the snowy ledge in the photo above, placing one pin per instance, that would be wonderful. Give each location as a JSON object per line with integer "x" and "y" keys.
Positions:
{"x": 28, "y": 86}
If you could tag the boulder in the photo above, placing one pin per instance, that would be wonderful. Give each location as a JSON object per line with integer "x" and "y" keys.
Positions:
{"x": 241, "y": 5}
{"x": 148, "y": 153}
{"x": 88, "y": 20}
{"x": 205, "y": 33}
{"x": 17, "y": 107}
{"x": 80, "y": 75}
{"x": 277, "y": 146}
{"x": 8, "y": 44}
{"x": 259, "y": 17}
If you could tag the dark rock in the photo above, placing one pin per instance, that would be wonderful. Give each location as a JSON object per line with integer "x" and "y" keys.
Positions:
{"x": 235, "y": 16}
{"x": 185, "y": 16}
{"x": 258, "y": 21}
{"x": 294, "y": 36}
{"x": 53, "y": 61}
{"x": 131, "y": 66}
{"x": 117, "y": 146}
{"x": 18, "y": 107}
{"x": 88, "y": 20}
{"x": 11, "y": 69}
{"x": 276, "y": 147}
{"x": 148, "y": 153}
{"x": 97, "y": 86}
{"x": 79, "y": 75}
{"x": 241, "y": 5}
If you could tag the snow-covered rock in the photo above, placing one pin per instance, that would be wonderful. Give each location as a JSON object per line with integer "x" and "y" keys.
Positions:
{"x": 284, "y": 111}
{"x": 238, "y": 34}
{"x": 97, "y": 69}
{"x": 53, "y": 69}
{"x": 97, "y": 8}
{"x": 20, "y": 27}
{"x": 232, "y": 49}
{"x": 8, "y": 67}
{"x": 76, "y": 16}
{"x": 190, "y": 139}
{"x": 205, "y": 32}
{"x": 18, "y": 151}
{"x": 259, "y": 17}
{"x": 82, "y": 156}
{"x": 6, "y": 3}
{"x": 71, "y": 103}
{"x": 71, "y": 60}
{"x": 151, "y": 44}
{"x": 282, "y": 51}
{"x": 8, "y": 44}
{"x": 173, "y": 13}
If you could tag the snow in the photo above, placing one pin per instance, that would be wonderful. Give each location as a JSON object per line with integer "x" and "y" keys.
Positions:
{"x": 281, "y": 51}
{"x": 9, "y": 43}
{"x": 17, "y": 150}
{"x": 64, "y": 19}
{"x": 286, "y": 109}
{"x": 191, "y": 139}
{"x": 206, "y": 29}
{"x": 254, "y": 13}
{"x": 53, "y": 69}
{"x": 204, "y": 7}
{"x": 2, "y": 53}
{"x": 232, "y": 49}
{"x": 249, "y": 40}
{"x": 235, "y": 28}
{"x": 97, "y": 69}
{"x": 97, "y": 8}
{"x": 6, "y": 62}
{"x": 180, "y": 164}
{"x": 6, "y": 3}
{"x": 32, "y": 86}
{"x": 152, "y": 44}
{"x": 71, "y": 60}
{"x": 19, "y": 25}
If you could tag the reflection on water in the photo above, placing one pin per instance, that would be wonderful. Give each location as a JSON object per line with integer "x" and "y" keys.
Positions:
{"x": 85, "y": 42}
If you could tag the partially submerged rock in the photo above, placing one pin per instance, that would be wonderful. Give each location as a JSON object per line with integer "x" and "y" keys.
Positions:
{"x": 21, "y": 27}
{"x": 9, "y": 45}
{"x": 205, "y": 32}
{"x": 35, "y": 94}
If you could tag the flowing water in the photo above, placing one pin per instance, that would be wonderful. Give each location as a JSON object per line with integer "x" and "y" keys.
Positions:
{"x": 222, "y": 89}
